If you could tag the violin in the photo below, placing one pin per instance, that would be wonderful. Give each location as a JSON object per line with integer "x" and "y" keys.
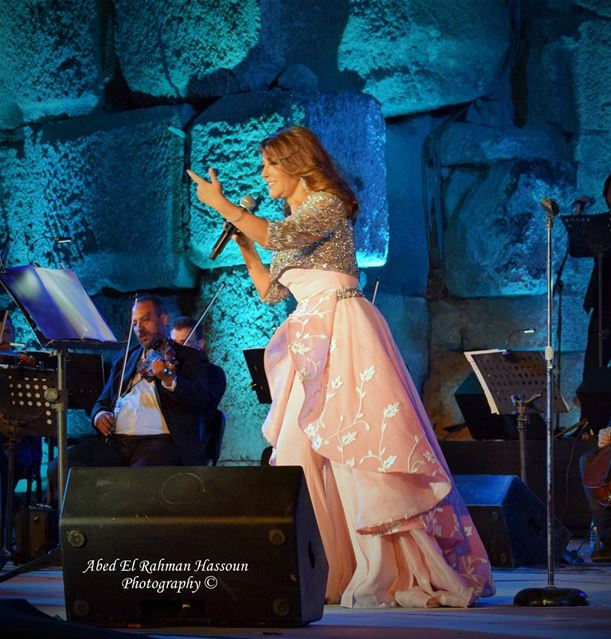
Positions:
{"x": 597, "y": 476}
{"x": 164, "y": 352}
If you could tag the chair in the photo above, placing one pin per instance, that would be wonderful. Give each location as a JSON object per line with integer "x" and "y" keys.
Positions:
{"x": 213, "y": 442}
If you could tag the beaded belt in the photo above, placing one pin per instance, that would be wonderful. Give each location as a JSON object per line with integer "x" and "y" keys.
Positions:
{"x": 345, "y": 293}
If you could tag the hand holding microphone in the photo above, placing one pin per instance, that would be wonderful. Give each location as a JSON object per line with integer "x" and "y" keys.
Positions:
{"x": 210, "y": 193}
{"x": 247, "y": 203}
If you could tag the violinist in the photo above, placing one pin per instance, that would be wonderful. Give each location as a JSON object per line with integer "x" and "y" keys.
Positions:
{"x": 155, "y": 416}
{"x": 181, "y": 329}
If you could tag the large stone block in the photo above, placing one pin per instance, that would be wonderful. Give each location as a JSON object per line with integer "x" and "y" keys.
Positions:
{"x": 407, "y": 266}
{"x": 181, "y": 48}
{"x": 115, "y": 185}
{"x": 190, "y": 49}
{"x": 421, "y": 55}
{"x": 593, "y": 100}
{"x": 476, "y": 324}
{"x": 239, "y": 320}
{"x": 601, "y": 7}
{"x": 548, "y": 74}
{"x": 227, "y": 137}
{"x": 592, "y": 72}
{"x": 52, "y": 59}
{"x": 498, "y": 322}
{"x": 408, "y": 320}
{"x": 495, "y": 237}
{"x": 462, "y": 143}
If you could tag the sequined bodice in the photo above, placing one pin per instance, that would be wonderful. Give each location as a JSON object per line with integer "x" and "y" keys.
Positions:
{"x": 317, "y": 236}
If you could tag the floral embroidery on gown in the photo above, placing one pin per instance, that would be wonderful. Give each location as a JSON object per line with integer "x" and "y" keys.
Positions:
{"x": 359, "y": 409}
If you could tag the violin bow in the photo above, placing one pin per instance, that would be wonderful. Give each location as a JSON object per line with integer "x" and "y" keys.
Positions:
{"x": 129, "y": 339}
{"x": 375, "y": 290}
{"x": 199, "y": 321}
{"x": 4, "y": 319}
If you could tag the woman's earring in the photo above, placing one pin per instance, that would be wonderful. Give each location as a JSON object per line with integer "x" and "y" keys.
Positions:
{"x": 303, "y": 183}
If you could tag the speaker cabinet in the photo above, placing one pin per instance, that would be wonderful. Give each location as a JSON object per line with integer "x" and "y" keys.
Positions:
{"x": 511, "y": 520}
{"x": 191, "y": 546}
{"x": 482, "y": 424}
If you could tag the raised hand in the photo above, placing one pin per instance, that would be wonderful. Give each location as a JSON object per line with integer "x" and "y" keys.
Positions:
{"x": 209, "y": 192}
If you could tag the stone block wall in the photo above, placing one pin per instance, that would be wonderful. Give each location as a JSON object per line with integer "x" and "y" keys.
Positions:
{"x": 451, "y": 121}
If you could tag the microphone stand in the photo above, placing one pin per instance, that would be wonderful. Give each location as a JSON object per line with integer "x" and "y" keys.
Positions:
{"x": 559, "y": 288}
{"x": 550, "y": 595}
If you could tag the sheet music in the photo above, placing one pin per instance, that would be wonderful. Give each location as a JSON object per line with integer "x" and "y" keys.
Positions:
{"x": 480, "y": 376}
{"x": 504, "y": 374}
{"x": 56, "y": 305}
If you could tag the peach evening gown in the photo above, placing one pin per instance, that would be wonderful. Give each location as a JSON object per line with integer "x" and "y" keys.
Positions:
{"x": 394, "y": 528}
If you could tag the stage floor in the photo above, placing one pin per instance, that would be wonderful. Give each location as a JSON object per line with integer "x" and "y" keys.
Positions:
{"x": 493, "y": 617}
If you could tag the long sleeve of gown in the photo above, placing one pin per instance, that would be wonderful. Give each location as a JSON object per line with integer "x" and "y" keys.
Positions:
{"x": 317, "y": 218}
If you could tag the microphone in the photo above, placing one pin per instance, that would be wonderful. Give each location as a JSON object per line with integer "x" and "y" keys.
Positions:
{"x": 229, "y": 230}
{"x": 550, "y": 206}
{"x": 582, "y": 203}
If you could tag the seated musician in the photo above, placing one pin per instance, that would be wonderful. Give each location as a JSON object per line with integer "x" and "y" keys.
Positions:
{"x": 156, "y": 418}
{"x": 181, "y": 329}
{"x": 601, "y": 515}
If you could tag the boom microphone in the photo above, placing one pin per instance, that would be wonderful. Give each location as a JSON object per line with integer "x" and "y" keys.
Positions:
{"x": 582, "y": 203}
{"x": 229, "y": 230}
{"x": 550, "y": 206}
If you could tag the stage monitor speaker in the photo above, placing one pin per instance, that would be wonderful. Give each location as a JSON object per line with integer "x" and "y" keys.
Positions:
{"x": 482, "y": 424}
{"x": 191, "y": 546}
{"x": 510, "y": 519}
{"x": 594, "y": 395}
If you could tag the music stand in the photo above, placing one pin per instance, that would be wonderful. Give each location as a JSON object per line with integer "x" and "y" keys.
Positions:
{"x": 590, "y": 236}
{"x": 24, "y": 412}
{"x": 85, "y": 375}
{"x": 255, "y": 361}
{"x": 62, "y": 316}
{"x": 514, "y": 383}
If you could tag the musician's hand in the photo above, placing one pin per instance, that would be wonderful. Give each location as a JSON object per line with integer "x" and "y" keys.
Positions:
{"x": 163, "y": 371}
{"x": 208, "y": 192}
{"x": 105, "y": 422}
{"x": 604, "y": 437}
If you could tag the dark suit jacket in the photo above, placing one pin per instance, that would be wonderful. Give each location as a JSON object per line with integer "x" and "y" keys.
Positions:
{"x": 590, "y": 300}
{"x": 199, "y": 388}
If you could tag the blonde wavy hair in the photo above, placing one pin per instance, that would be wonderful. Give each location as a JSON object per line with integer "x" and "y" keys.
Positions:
{"x": 301, "y": 154}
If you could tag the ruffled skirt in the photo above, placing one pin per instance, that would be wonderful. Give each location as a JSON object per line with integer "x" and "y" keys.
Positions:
{"x": 394, "y": 528}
